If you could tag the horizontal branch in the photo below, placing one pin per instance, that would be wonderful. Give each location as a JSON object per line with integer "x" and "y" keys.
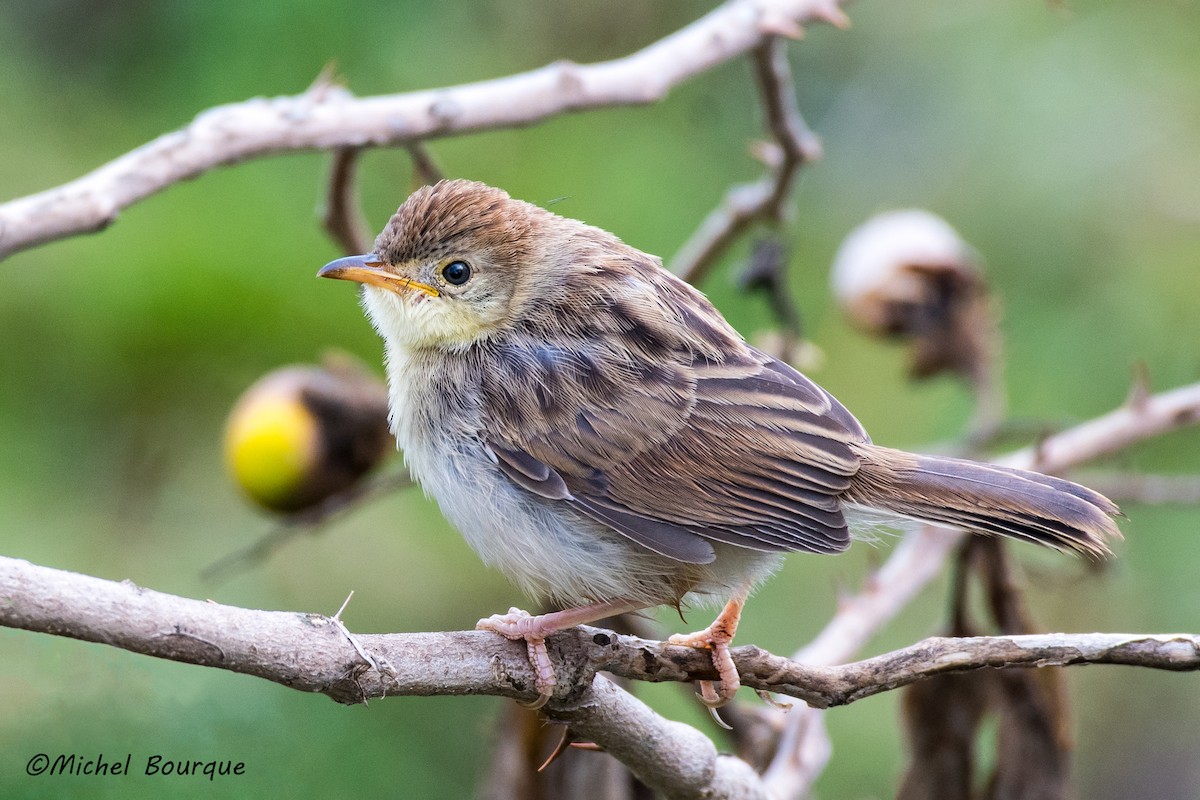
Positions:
{"x": 328, "y": 117}
{"x": 1142, "y": 417}
{"x": 315, "y": 653}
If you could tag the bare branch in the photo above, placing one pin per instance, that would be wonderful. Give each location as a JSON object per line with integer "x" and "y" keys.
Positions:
{"x": 328, "y": 117}
{"x": 1151, "y": 489}
{"x": 670, "y": 757}
{"x": 828, "y": 686}
{"x": 794, "y": 146}
{"x": 1142, "y": 418}
{"x": 920, "y": 556}
{"x": 316, "y": 653}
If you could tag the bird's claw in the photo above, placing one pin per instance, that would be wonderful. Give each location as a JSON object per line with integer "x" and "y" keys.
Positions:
{"x": 520, "y": 625}
{"x": 716, "y": 641}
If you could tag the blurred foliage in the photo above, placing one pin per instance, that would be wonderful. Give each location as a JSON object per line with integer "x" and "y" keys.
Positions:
{"x": 1061, "y": 139}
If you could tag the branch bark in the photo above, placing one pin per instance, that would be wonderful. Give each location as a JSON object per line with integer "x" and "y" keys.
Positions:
{"x": 316, "y": 653}
{"x": 328, "y": 117}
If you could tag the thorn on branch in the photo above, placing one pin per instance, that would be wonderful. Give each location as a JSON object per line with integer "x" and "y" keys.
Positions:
{"x": 327, "y": 79}
{"x": 781, "y": 25}
{"x": 831, "y": 12}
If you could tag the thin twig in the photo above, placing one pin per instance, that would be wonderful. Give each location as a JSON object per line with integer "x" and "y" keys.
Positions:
{"x": 766, "y": 272}
{"x": 343, "y": 218}
{"x": 793, "y": 146}
{"x": 308, "y": 522}
{"x": 425, "y": 169}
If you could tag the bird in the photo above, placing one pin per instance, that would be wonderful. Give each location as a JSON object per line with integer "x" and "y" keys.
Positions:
{"x": 600, "y": 434}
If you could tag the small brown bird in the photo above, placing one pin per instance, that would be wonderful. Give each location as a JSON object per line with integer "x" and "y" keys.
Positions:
{"x": 599, "y": 433}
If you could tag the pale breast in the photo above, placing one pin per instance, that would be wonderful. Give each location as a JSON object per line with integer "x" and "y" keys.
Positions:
{"x": 545, "y": 547}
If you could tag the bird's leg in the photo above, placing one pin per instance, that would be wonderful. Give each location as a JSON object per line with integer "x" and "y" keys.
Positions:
{"x": 521, "y": 625}
{"x": 716, "y": 637}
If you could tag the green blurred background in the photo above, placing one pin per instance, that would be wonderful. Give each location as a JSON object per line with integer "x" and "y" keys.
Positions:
{"x": 1062, "y": 140}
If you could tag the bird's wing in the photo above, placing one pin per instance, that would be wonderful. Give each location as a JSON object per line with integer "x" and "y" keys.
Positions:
{"x": 682, "y": 451}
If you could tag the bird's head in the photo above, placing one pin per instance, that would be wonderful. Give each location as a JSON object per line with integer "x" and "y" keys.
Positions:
{"x": 461, "y": 262}
{"x": 453, "y": 265}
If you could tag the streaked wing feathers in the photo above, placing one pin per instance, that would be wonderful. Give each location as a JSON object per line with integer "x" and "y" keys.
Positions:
{"x": 529, "y": 473}
{"x": 751, "y": 454}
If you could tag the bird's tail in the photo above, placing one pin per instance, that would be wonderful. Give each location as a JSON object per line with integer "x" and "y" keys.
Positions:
{"x": 985, "y": 498}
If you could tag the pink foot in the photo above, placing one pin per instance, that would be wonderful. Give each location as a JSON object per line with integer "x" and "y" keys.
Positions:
{"x": 521, "y": 625}
{"x": 716, "y": 637}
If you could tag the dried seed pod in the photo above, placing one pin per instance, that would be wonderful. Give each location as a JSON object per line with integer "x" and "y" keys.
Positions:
{"x": 908, "y": 275}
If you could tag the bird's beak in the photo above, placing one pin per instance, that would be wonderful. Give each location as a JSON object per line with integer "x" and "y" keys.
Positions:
{"x": 370, "y": 270}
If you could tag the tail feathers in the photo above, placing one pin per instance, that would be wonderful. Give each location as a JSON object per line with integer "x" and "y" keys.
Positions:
{"x": 986, "y": 499}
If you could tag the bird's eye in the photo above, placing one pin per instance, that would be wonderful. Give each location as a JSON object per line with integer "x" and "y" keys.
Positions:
{"x": 457, "y": 272}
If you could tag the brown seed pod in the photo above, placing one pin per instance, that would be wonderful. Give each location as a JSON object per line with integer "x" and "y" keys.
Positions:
{"x": 908, "y": 275}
